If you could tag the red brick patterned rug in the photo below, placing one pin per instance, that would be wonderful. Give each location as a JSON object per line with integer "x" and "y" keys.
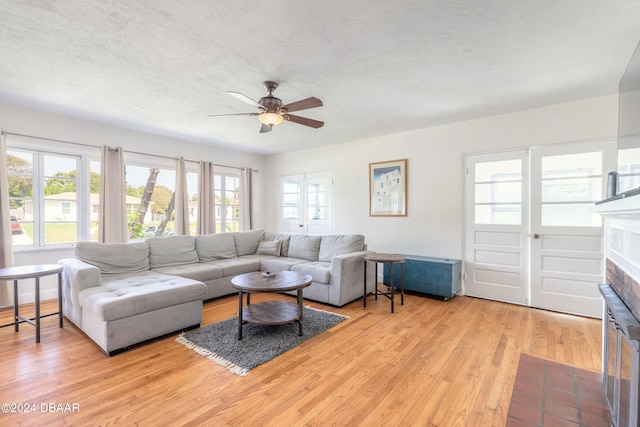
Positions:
{"x": 548, "y": 393}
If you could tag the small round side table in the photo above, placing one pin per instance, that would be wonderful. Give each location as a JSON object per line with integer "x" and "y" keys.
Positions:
{"x": 391, "y": 259}
{"x": 32, "y": 272}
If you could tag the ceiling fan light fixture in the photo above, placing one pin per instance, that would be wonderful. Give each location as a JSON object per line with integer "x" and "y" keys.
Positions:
{"x": 270, "y": 118}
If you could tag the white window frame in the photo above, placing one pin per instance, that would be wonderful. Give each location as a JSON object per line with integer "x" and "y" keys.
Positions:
{"x": 40, "y": 147}
{"x": 222, "y": 206}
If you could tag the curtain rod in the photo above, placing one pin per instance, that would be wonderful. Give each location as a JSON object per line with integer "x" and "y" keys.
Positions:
{"x": 127, "y": 151}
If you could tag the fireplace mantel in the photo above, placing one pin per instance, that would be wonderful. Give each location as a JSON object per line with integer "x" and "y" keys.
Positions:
{"x": 622, "y": 206}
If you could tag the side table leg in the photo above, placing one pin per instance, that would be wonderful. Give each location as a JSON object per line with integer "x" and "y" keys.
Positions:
{"x": 364, "y": 295}
{"x": 239, "y": 315}
{"x": 60, "y": 297}
{"x": 376, "y": 281}
{"x": 392, "y": 287}
{"x": 37, "y": 309}
{"x": 16, "y": 316}
{"x": 402, "y": 284}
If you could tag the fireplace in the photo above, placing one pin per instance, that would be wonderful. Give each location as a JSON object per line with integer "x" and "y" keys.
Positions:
{"x": 621, "y": 314}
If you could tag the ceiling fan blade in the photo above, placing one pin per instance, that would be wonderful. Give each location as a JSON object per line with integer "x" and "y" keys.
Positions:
{"x": 245, "y": 98}
{"x": 303, "y": 104}
{"x": 304, "y": 121}
{"x": 233, "y": 114}
{"x": 265, "y": 128}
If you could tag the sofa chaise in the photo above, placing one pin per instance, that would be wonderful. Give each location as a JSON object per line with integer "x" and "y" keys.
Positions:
{"x": 121, "y": 294}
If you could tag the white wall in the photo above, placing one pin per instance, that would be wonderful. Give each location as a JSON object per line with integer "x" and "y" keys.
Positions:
{"x": 434, "y": 224}
{"x": 30, "y": 122}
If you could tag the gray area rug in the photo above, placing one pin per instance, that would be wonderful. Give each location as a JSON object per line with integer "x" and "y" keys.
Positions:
{"x": 260, "y": 343}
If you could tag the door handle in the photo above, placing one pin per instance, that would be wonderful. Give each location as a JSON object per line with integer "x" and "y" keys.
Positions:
{"x": 300, "y": 225}
{"x": 536, "y": 236}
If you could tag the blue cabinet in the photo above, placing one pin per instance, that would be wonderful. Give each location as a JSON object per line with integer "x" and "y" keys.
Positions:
{"x": 435, "y": 276}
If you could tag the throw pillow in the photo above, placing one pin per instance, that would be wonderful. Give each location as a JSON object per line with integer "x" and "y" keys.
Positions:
{"x": 247, "y": 241}
{"x": 269, "y": 247}
{"x": 304, "y": 246}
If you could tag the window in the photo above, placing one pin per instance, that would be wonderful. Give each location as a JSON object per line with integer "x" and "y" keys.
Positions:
{"x": 227, "y": 202}
{"x": 291, "y": 199}
{"x": 150, "y": 199}
{"x": 45, "y": 196}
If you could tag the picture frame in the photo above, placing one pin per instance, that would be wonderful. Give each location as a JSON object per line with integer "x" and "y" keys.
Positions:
{"x": 388, "y": 188}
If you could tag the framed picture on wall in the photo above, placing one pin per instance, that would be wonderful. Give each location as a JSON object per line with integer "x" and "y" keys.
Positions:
{"x": 388, "y": 188}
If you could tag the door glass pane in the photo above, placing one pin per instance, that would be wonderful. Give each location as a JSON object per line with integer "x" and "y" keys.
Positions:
{"x": 317, "y": 197}
{"x": 572, "y": 165}
{"x": 318, "y": 213}
{"x": 571, "y": 183}
{"x": 291, "y": 187}
{"x": 498, "y": 171}
{"x": 498, "y": 192}
{"x": 289, "y": 213}
{"x": 571, "y": 190}
{"x": 291, "y": 200}
{"x": 504, "y": 192}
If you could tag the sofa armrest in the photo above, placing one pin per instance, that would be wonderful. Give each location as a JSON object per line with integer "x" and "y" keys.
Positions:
{"x": 76, "y": 276}
{"x": 347, "y": 277}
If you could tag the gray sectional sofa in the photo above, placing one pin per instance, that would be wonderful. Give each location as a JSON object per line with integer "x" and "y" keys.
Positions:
{"x": 121, "y": 294}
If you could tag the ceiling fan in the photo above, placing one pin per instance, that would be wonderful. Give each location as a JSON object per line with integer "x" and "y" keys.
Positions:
{"x": 272, "y": 112}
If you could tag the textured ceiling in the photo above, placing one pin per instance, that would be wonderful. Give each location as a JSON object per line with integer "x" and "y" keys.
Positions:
{"x": 380, "y": 67}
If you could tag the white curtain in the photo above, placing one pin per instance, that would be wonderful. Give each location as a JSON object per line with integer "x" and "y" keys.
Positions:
{"x": 113, "y": 208}
{"x": 6, "y": 244}
{"x": 206, "y": 199}
{"x": 246, "y": 210}
{"x": 181, "y": 206}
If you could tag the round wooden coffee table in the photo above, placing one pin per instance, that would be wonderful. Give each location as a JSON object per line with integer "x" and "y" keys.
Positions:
{"x": 270, "y": 312}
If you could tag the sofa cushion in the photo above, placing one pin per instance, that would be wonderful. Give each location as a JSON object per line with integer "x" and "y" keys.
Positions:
{"x": 127, "y": 295}
{"x": 333, "y": 245}
{"x": 285, "y": 238}
{"x": 305, "y": 247}
{"x": 269, "y": 247}
{"x": 319, "y": 271}
{"x": 280, "y": 264}
{"x": 202, "y": 271}
{"x": 114, "y": 258}
{"x": 211, "y": 247}
{"x": 235, "y": 266}
{"x": 173, "y": 250}
{"x": 247, "y": 241}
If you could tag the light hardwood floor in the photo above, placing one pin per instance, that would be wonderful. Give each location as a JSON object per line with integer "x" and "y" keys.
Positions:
{"x": 432, "y": 363}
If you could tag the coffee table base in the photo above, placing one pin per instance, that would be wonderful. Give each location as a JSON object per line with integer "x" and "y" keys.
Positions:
{"x": 270, "y": 313}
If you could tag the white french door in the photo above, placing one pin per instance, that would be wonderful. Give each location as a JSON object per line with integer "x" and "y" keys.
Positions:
{"x": 567, "y": 237}
{"x": 306, "y": 203}
{"x": 497, "y": 222}
{"x": 531, "y": 237}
